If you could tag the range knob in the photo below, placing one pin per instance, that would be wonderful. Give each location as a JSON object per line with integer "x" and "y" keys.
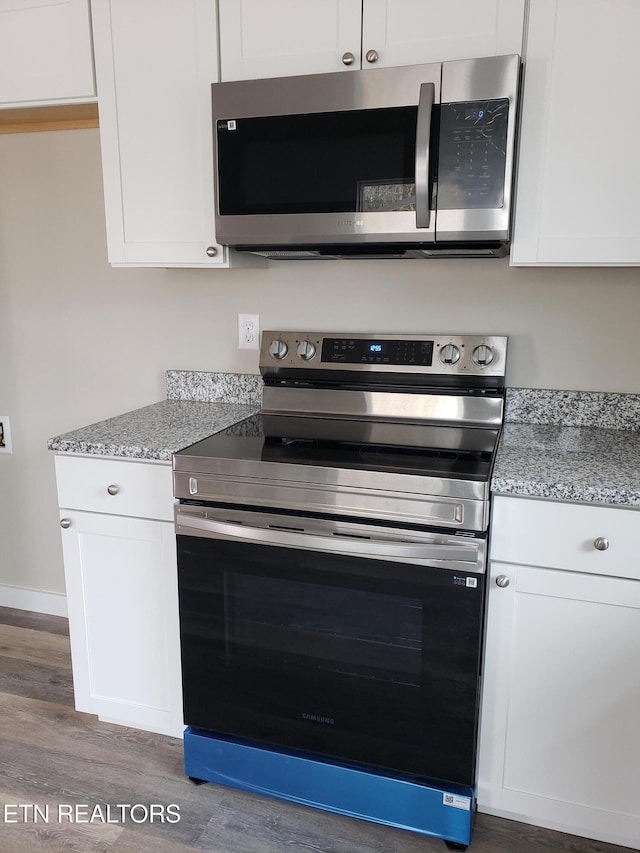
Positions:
{"x": 306, "y": 350}
{"x": 482, "y": 355}
{"x": 449, "y": 354}
{"x": 278, "y": 349}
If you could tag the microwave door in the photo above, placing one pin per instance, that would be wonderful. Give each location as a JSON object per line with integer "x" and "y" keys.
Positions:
{"x": 327, "y": 178}
{"x": 326, "y": 160}
{"x": 476, "y": 149}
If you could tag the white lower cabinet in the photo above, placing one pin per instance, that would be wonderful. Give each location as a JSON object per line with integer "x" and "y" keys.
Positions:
{"x": 122, "y": 597}
{"x": 559, "y": 743}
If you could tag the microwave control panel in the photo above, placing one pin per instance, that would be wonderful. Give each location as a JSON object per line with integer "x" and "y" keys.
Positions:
{"x": 472, "y": 160}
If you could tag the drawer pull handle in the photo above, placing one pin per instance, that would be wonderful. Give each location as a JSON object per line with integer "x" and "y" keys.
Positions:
{"x": 601, "y": 543}
{"x": 502, "y": 581}
{"x": 65, "y": 523}
{"x": 113, "y": 490}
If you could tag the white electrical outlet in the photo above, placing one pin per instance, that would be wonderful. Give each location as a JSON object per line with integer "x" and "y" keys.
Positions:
{"x": 248, "y": 331}
{"x": 5, "y": 434}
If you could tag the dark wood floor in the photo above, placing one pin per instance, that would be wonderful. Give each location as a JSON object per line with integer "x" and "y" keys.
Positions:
{"x": 51, "y": 755}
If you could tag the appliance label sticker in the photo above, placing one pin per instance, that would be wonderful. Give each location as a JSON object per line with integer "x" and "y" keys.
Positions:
{"x": 231, "y": 124}
{"x": 465, "y": 581}
{"x": 456, "y": 801}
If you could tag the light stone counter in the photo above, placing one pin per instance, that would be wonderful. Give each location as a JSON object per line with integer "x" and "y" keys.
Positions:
{"x": 560, "y": 445}
{"x": 198, "y": 405}
{"x": 570, "y": 446}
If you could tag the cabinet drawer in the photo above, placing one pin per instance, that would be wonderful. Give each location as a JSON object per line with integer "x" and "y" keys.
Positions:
{"x": 564, "y": 536}
{"x": 140, "y": 489}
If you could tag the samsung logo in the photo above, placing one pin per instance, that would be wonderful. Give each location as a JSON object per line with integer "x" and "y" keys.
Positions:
{"x": 351, "y": 222}
{"x": 316, "y": 718}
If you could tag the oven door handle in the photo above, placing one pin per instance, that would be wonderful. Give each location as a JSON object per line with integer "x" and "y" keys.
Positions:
{"x": 424, "y": 552}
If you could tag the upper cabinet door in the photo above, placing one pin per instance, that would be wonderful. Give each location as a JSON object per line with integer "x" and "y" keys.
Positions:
{"x": 45, "y": 52}
{"x": 275, "y": 38}
{"x": 579, "y": 169}
{"x": 155, "y": 63}
{"x": 406, "y": 32}
{"x": 278, "y": 38}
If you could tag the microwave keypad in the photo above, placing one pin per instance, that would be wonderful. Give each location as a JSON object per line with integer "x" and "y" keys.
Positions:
{"x": 473, "y": 141}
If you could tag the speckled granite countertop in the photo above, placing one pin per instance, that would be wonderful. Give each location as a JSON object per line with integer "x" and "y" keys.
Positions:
{"x": 199, "y": 404}
{"x": 560, "y": 445}
{"x": 153, "y": 432}
{"x": 568, "y": 464}
{"x": 570, "y": 446}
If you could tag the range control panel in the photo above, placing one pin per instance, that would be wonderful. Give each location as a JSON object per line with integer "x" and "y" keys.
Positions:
{"x": 479, "y": 355}
{"x": 376, "y": 351}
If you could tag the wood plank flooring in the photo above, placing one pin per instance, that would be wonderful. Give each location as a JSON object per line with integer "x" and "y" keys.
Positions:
{"x": 53, "y": 756}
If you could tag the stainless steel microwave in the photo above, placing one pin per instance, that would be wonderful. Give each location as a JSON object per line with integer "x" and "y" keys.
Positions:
{"x": 412, "y": 161}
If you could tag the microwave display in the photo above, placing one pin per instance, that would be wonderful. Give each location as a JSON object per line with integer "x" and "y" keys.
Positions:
{"x": 338, "y": 162}
{"x": 473, "y": 154}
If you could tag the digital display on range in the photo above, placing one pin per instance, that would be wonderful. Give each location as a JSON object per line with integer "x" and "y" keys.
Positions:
{"x": 375, "y": 351}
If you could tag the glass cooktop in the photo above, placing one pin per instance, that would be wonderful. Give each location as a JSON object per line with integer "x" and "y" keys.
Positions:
{"x": 407, "y": 448}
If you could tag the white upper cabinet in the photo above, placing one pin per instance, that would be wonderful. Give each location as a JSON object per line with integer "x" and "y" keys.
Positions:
{"x": 406, "y": 32}
{"x": 272, "y": 38}
{"x": 155, "y": 63}
{"x": 277, "y": 38}
{"x": 579, "y": 170}
{"x": 45, "y": 52}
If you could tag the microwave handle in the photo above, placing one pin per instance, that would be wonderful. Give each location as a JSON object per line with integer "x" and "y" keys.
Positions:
{"x": 423, "y": 137}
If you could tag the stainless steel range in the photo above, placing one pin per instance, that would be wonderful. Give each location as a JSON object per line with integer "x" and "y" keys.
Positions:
{"x": 331, "y": 557}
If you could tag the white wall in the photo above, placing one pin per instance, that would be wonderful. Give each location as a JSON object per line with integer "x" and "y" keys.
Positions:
{"x": 80, "y": 341}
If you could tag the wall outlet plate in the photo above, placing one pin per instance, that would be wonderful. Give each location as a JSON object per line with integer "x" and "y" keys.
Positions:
{"x": 5, "y": 435}
{"x": 248, "y": 331}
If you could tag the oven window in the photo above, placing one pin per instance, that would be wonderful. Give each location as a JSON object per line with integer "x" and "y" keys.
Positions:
{"x": 355, "y": 161}
{"x": 290, "y": 624}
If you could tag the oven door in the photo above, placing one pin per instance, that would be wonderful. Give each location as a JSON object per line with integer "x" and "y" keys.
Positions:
{"x": 350, "y": 641}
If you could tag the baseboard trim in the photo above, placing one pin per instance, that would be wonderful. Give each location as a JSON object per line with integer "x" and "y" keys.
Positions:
{"x": 21, "y": 598}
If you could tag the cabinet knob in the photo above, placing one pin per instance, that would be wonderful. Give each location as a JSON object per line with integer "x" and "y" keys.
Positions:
{"x": 371, "y": 56}
{"x": 348, "y": 58}
{"x": 502, "y": 581}
{"x": 211, "y": 251}
{"x": 65, "y": 523}
{"x": 113, "y": 490}
{"x": 601, "y": 543}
